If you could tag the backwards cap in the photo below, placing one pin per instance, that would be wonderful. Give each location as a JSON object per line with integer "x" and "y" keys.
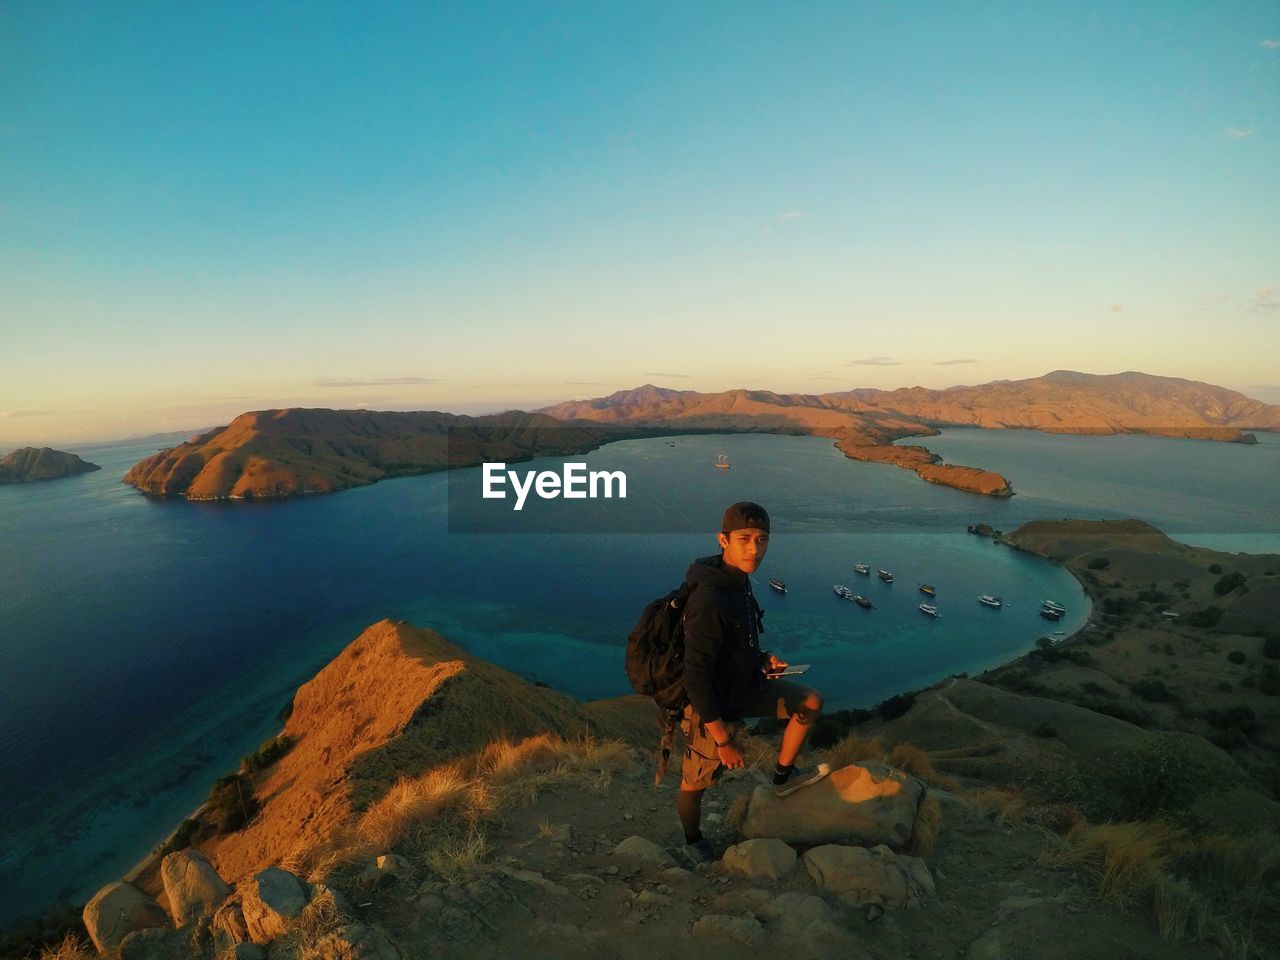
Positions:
{"x": 743, "y": 514}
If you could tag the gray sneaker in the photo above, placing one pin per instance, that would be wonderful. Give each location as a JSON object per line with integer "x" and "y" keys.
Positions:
{"x": 801, "y": 777}
{"x": 700, "y": 852}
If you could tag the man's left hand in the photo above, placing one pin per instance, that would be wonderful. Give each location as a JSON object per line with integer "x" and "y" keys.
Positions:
{"x": 774, "y": 665}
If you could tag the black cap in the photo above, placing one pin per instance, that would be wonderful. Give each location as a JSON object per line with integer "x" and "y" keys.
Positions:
{"x": 744, "y": 514}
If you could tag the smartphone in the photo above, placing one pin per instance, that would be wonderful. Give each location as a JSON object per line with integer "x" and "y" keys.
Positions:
{"x": 793, "y": 670}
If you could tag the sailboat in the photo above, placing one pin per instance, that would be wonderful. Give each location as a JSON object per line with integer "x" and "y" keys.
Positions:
{"x": 722, "y": 461}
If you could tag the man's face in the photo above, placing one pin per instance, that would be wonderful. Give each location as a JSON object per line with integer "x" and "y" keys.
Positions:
{"x": 745, "y": 548}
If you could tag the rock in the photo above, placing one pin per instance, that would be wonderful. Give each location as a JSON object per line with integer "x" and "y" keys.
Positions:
{"x": 808, "y": 923}
{"x": 654, "y": 898}
{"x": 228, "y": 926}
{"x": 116, "y": 911}
{"x": 271, "y": 899}
{"x": 800, "y": 908}
{"x": 534, "y": 878}
{"x": 749, "y": 899}
{"x": 760, "y": 858}
{"x": 865, "y": 803}
{"x": 853, "y": 870}
{"x": 722, "y": 926}
{"x": 192, "y": 885}
{"x": 243, "y": 951}
{"x": 643, "y": 851}
{"x": 156, "y": 943}
{"x": 676, "y": 874}
{"x": 355, "y": 941}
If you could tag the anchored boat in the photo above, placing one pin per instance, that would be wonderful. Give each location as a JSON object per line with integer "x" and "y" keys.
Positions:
{"x": 777, "y": 585}
{"x": 930, "y": 609}
{"x": 862, "y": 568}
{"x": 863, "y": 602}
{"x": 885, "y": 575}
{"x": 989, "y": 601}
{"x": 928, "y": 589}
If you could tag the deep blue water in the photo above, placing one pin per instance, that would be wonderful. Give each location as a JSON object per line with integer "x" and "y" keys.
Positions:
{"x": 145, "y": 645}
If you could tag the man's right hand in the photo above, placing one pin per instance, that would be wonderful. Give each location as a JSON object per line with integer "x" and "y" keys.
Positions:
{"x": 731, "y": 756}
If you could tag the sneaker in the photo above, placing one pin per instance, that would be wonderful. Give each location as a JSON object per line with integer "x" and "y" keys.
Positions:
{"x": 801, "y": 777}
{"x": 700, "y": 852}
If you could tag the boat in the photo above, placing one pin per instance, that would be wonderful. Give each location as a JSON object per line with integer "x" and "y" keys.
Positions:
{"x": 1169, "y": 614}
{"x": 777, "y": 585}
{"x": 1054, "y": 605}
{"x": 1050, "y": 614}
{"x": 885, "y": 575}
{"x": 928, "y": 589}
{"x": 843, "y": 591}
{"x": 928, "y": 608}
{"x": 862, "y": 568}
{"x": 722, "y": 461}
{"x": 863, "y": 602}
{"x": 989, "y": 601}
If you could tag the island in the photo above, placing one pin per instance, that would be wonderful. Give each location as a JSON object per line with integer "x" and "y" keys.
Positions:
{"x": 29, "y": 464}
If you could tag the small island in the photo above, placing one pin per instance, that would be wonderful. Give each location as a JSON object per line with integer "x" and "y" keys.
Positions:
{"x": 29, "y": 464}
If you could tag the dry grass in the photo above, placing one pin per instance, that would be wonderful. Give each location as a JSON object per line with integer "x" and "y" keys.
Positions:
{"x": 926, "y": 828}
{"x": 853, "y": 749}
{"x": 439, "y": 818}
{"x": 70, "y": 947}
{"x": 1006, "y": 807}
{"x": 737, "y": 814}
{"x": 1123, "y": 860}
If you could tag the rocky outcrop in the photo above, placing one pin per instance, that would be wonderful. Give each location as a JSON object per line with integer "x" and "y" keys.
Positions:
{"x": 271, "y": 899}
{"x": 868, "y": 803}
{"x": 929, "y": 467}
{"x": 191, "y": 885}
{"x": 767, "y": 858}
{"x": 116, "y": 911}
{"x": 29, "y": 464}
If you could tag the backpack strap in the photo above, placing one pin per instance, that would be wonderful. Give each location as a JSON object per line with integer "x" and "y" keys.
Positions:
{"x": 667, "y": 722}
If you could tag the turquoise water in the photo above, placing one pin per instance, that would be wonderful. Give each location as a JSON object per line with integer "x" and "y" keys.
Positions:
{"x": 145, "y": 645}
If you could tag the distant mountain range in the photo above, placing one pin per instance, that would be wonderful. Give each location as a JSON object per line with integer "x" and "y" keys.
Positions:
{"x": 280, "y": 453}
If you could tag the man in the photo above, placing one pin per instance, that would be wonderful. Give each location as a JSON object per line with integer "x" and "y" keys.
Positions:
{"x": 725, "y": 674}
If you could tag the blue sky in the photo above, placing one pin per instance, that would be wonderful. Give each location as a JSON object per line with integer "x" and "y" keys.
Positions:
{"x": 208, "y": 208}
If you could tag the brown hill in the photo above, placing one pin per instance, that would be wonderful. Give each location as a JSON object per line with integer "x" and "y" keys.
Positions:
{"x": 280, "y": 453}
{"x": 398, "y": 701}
{"x": 29, "y": 464}
{"x": 1068, "y": 402}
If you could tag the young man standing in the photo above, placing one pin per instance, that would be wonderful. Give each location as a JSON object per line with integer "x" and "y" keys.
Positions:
{"x": 725, "y": 674}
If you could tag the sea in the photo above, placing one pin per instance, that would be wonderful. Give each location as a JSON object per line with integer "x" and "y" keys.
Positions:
{"x": 147, "y": 644}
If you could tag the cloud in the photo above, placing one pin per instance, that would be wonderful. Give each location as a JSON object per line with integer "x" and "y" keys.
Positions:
{"x": 1236, "y": 133}
{"x": 1271, "y": 44}
{"x": 782, "y": 218}
{"x": 1265, "y": 299}
{"x": 824, "y": 375}
{"x": 585, "y": 383}
{"x": 875, "y": 362}
{"x": 28, "y": 413}
{"x": 380, "y": 382}
{"x": 658, "y": 373}
{"x": 952, "y": 363}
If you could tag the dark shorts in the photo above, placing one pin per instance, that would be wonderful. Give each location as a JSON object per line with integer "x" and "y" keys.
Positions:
{"x": 779, "y": 699}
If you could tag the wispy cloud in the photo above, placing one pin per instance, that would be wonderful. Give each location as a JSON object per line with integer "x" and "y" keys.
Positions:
{"x": 1271, "y": 44}
{"x": 585, "y": 383}
{"x": 824, "y": 375}
{"x": 782, "y": 218}
{"x": 1238, "y": 133}
{"x": 7, "y": 414}
{"x": 1265, "y": 299}
{"x": 875, "y": 362}
{"x": 956, "y": 362}
{"x": 380, "y": 382}
{"x": 659, "y": 373}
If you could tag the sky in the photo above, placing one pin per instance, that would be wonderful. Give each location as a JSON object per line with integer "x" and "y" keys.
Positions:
{"x": 213, "y": 208}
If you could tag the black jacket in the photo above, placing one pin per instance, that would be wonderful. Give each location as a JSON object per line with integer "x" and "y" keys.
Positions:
{"x": 722, "y": 656}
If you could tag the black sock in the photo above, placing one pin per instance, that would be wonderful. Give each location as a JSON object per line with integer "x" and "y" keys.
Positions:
{"x": 782, "y": 773}
{"x": 689, "y": 806}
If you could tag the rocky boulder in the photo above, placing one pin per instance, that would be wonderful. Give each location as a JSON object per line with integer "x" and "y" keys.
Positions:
{"x": 868, "y": 876}
{"x": 865, "y": 803}
{"x": 228, "y": 926}
{"x": 157, "y": 943}
{"x": 192, "y": 885}
{"x": 116, "y": 911}
{"x": 355, "y": 941}
{"x": 759, "y": 858}
{"x": 644, "y": 851}
{"x": 271, "y": 899}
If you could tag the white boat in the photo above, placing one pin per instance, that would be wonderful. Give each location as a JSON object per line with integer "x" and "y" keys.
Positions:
{"x": 989, "y": 601}
{"x": 885, "y": 575}
{"x": 1169, "y": 614}
{"x": 1053, "y": 605}
{"x": 722, "y": 461}
{"x": 843, "y": 591}
{"x": 862, "y": 568}
{"x": 777, "y": 585}
{"x": 928, "y": 608}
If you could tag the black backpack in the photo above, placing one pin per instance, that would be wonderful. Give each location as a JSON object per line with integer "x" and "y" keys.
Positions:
{"x": 655, "y": 651}
{"x": 655, "y": 665}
